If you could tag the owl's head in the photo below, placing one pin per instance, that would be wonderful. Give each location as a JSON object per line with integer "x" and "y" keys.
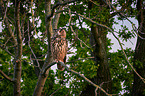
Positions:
{"x": 60, "y": 33}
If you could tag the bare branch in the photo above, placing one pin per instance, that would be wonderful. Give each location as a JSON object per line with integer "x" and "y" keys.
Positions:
{"x": 70, "y": 70}
{"x": 5, "y": 76}
{"x": 89, "y": 81}
{"x": 57, "y": 16}
{"x": 94, "y": 3}
{"x": 73, "y": 30}
{"x": 32, "y": 50}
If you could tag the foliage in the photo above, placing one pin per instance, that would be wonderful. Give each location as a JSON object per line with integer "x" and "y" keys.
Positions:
{"x": 35, "y": 38}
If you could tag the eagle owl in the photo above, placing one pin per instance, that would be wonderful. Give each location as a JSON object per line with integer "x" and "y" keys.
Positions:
{"x": 59, "y": 47}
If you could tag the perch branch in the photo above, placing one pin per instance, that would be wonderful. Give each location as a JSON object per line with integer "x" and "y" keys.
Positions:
{"x": 89, "y": 81}
{"x": 70, "y": 70}
{"x": 47, "y": 67}
{"x": 5, "y": 76}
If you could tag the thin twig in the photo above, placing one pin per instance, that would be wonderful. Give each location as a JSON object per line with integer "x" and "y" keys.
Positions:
{"x": 73, "y": 30}
{"x": 4, "y": 48}
{"x": 32, "y": 50}
{"x": 80, "y": 59}
{"x": 133, "y": 25}
{"x": 5, "y": 13}
{"x": 56, "y": 90}
{"x": 33, "y": 20}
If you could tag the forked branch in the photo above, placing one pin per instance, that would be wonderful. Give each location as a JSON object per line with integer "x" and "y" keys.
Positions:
{"x": 70, "y": 70}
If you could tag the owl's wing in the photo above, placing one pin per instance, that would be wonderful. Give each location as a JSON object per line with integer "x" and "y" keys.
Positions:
{"x": 64, "y": 48}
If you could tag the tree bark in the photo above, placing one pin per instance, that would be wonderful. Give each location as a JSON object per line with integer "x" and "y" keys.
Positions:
{"x": 18, "y": 54}
{"x": 139, "y": 56}
{"x": 102, "y": 78}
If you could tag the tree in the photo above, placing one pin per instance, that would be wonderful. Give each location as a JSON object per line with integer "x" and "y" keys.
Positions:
{"x": 27, "y": 28}
{"x": 98, "y": 38}
{"x": 139, "y": 63}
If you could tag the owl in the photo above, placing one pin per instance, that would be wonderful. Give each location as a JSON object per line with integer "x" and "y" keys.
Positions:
{"x": 59, "y": 47}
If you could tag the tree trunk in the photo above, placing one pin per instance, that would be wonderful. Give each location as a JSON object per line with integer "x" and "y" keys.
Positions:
{"x": 102, "y": 78}
{"x": 42, "y": 78}
{"x": 18, "y": 54}
{"x": 139, "y": 56}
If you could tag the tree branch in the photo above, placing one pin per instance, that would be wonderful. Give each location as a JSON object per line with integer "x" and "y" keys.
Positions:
{"x": 73, "y": 30}
{"x": 38, "y": 65}
{"x": 5, "y": 76}
{"x": 70, "y": 70}
{"x": 56, "y": 5}
{"x": 56, "y": 90}
{"x": 116, "y": 39}
{"x": 80, "y": 59}
{"x": 4, "y": 48}
{"x": 10, "y": 32}
{"x": 89, "y": 81}
{"x": 47, "y": 67}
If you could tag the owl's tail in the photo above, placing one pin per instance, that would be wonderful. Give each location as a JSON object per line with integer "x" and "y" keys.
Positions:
{"x": 59, "y": 66}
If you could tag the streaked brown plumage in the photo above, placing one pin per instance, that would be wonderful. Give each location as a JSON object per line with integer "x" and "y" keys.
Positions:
{"x": 59, "y": 47}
